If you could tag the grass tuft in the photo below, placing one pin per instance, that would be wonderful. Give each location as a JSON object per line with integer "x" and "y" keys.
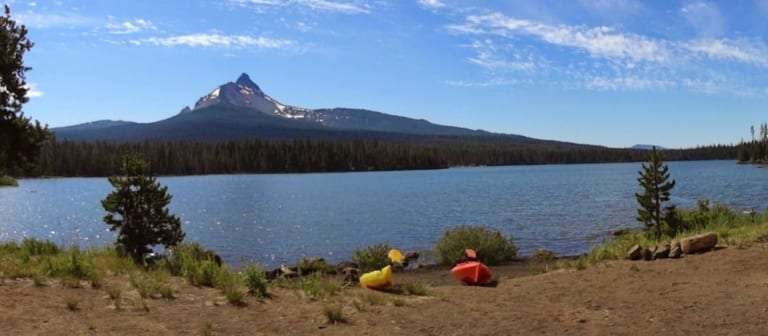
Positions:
{"x": 334, "y": 314}
{"x": 72, "y": 304}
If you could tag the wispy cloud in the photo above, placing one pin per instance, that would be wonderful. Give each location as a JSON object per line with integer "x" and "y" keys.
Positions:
{"x": 612, "y": 7}
{"x": 130, "y": 26}
{"x": 616, "y": 60}
{"x": 433, "y": 4}
{"x": 33, "y": 91}
{"x": 603, "y": 42}
{"x": 206, "y": 40}
{"x": 490, "y": 56}
{"x": 704, "y": 17}
{"x": 318, "y": 5}
{"x": 730, "y": 50}
{"x": 54, "y": 20}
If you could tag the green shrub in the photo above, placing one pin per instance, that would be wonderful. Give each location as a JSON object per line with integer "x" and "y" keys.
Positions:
{"x": 491, "y": 246}
{"x": 314, "y": 265}
{"x": 256, "y": 281}
{"x": 372, "y": 257}
{"x": 7, "y": 181}
{"x": 234, "y": 296}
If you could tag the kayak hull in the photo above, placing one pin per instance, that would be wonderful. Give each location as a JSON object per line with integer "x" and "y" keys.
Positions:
{"x": 377, "y": 279}
{"x": 472, "y": 273}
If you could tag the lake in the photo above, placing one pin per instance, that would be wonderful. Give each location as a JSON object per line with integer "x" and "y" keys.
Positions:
{"x": 274, "y": 219}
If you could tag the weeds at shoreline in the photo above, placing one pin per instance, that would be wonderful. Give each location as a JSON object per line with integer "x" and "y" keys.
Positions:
{"x": 734, "y": 229}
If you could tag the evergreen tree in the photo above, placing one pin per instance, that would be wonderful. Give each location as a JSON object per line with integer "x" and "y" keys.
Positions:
{"x": 654, "y": 179}
{"x": 138, "y": 210}
{"x": 20, "y": 139}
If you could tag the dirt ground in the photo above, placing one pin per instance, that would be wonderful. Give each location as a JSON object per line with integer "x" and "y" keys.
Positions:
{"x": 718, "y": 293}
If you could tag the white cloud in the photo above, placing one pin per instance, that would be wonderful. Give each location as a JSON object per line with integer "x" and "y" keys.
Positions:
{"x": 130, "y": 27}
{"x": 632, "y": 83}
{"x": 492, "y": 57}
{"x": 730, "y": 50}
{"x": 54, "y": 20}
{"x": 434, "y": 4}
{"x": 603, "y": 42}
{"x": 318, "y": 5}
{"x": 612, "y": 7}
{"x": 517, "y": 52}
{"x": 216, "y": 40}
{"x": 705, "y": 17}
{"x": 496, "y": 81}
{"x": 33, "y": 91}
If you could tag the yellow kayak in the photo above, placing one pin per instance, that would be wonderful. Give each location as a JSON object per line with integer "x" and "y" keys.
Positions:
{"x": 377, "y": 279}
{"x": 395, "y": 256}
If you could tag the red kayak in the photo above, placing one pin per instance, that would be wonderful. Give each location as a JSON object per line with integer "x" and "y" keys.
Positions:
{"x": 472, "y": 273}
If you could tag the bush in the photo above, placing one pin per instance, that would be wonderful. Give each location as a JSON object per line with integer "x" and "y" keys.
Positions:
{"x": 314, "y": 265}
{"x": 188, "y": 259}
{"x": 255, "y": 280}
{"x": 372, "y": 258}
{"x": 7, "y": 181}
{"x": 234, "y": 296}
{"x": 491, "y": 246}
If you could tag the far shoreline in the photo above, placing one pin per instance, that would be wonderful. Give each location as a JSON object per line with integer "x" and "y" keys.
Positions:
{"x": 19, "y": 178}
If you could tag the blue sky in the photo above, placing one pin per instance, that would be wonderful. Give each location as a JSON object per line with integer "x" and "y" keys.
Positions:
{"x": 610, "y": 72}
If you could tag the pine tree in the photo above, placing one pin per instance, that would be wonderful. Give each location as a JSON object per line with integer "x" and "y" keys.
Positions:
{"x": 138, "y": 210}
{"x": 20, "y": 139}
{"x": 654, "y": 179}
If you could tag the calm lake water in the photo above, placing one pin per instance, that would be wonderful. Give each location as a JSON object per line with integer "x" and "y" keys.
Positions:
{"x": 277, "y": 219}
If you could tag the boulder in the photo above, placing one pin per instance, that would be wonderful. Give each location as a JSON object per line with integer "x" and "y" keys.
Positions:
{"x": 662, "y": 251}
{"x": 288, "y": 272}
{"x": 340, "y": 267}
{"x": 648, "y": 253}
{"x": 635, "y": 253}
{"x": 676, "y": 252}
{"x": 351, "y": 274}
{"x": 699, "y": 243}
{"x": 411, "y": 257}
{"x": 273, "y": 274}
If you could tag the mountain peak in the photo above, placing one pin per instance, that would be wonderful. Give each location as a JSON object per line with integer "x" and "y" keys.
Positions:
{"x": 246, "y": 81}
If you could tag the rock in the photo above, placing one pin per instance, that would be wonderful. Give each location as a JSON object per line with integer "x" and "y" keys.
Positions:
{"x": 340, "y": 267}
{"x": 699, "y": 243}
{"x": 648, "y": 253}
{"x": 676, "y": 252}
{"x": 288, "y": 272}
{"x": 635, "y": 253}
{"x": 274, "y": 274}
{"x": 411, "y": 256}
{"x": 351, "y": 274}
{"x": 662, "y": 251}
{"x": 621, "y": 232}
